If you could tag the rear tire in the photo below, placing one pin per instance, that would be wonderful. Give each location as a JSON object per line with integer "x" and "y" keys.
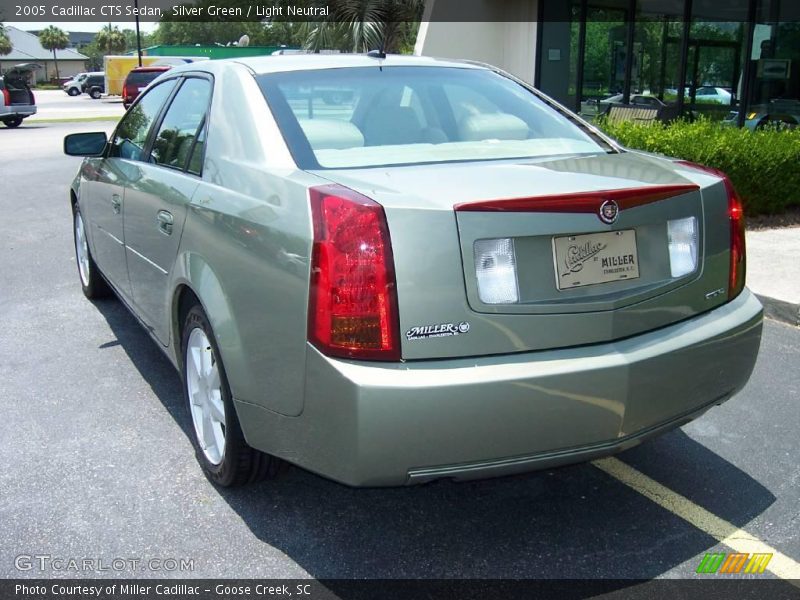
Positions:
{"x": 95, "y": 94}
{"x": 92, "y": 282}
{"x": 219, "y": 444}
{"x": 13, "y": 123}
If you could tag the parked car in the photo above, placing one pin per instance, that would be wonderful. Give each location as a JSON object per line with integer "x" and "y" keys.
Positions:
{"x": 17, "y": 101}
{"x": 715, "y": 95}
{"x": 95, "y": 85}
{"x": 779, "y": 113}
{"x": 452, "y": 278}
{"x": 74, "y": 86}
{"x": 637, "y": 99}
{"x": 138, "y": 79}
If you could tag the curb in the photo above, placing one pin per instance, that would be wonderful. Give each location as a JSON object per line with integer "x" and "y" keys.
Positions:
{"x": 780, "y": 310}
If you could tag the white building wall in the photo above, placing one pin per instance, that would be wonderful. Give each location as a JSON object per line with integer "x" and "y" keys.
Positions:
{"x": 498, "y": 32}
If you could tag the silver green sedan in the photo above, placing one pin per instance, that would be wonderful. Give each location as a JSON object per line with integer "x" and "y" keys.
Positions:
{"x": 440, "y": 274}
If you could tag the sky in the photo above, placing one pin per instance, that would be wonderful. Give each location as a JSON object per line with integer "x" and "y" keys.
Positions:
{"x": 144, "y": 26}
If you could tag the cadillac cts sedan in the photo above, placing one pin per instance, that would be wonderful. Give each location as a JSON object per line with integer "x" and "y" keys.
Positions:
{"x": 444, "y": 275}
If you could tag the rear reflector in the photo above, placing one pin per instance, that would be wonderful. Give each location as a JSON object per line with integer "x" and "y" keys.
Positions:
{"x": 682, "y": 234}
{"x": 738, "y": 260}
{"x": 496, "y": 271}
{"x": 352, "y": 309}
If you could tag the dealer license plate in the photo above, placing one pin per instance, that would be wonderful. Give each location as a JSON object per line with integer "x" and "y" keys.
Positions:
{"x": 595, "y": 258}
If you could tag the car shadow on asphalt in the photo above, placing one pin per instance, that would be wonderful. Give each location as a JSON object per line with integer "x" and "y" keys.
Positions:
{"x": 573, "y": 522}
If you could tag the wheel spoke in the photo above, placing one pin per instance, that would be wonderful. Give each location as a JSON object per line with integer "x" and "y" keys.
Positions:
{"x": 212, "y": 381}
{"x": 215, "y": 406}
{"x": 208, "y": 431}
{"x": 219, "y": 440}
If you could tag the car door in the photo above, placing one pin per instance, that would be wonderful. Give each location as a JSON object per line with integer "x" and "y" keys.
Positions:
{"x": 156, "y": 203}
{"x": 107, "y": 191}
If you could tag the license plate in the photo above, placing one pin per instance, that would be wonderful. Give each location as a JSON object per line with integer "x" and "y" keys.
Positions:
{"x": 595, "y": 258}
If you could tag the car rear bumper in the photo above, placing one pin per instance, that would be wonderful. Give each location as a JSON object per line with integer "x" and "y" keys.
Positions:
{"x": 17, "y": 110}
{"x": 381, "y": 424}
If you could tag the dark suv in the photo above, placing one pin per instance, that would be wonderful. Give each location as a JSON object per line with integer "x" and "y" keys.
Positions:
{"x": 138, "y": 79}
{"x": 94, "y": 85}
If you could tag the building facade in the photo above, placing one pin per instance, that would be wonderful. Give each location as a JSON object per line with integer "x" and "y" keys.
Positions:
{"x": 26, "y": 49}
{"x": 723, "y": 58}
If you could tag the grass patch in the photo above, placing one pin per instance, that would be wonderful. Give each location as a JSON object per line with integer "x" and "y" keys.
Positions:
{"x": 763, "y": 165}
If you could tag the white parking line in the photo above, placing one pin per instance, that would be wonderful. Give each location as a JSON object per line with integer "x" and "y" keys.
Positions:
{"x": 724, "y": 532}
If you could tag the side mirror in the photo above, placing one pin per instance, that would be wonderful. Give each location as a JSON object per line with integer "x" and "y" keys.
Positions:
{"x": 85, "y": 144}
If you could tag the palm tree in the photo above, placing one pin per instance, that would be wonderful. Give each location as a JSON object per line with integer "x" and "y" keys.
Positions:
{"x": 53, "y": 38}
{"x": 5, "y": 43}
{"x": 111, "y": 40}
{"x": 363, "y": 25}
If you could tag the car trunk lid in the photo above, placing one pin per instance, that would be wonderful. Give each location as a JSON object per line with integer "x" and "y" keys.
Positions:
{"x": 16, "y": 84}
{"x": 569, "y": 293}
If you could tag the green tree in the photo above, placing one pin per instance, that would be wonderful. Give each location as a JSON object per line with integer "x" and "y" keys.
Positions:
{"x": 5, "y": 43}
{"x": 52, "y": 38}
{"x": 363, "y": 25}
{"x": 111, "y": 40}
{"x": 130, "y": 39}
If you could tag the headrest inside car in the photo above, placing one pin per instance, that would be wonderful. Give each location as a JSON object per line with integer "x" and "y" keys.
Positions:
{"x": 331, "y": 134}
{"x": 497, "y": 126}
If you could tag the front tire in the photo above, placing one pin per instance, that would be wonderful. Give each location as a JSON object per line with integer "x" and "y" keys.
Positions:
{"x": 217, "y": 436}
{"x": 92, "y": 282}
{"x": 74, "y": 92}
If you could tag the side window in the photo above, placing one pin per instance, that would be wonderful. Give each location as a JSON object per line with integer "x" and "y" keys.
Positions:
{"x": 185, "y": 118}
{"x": 131, "y": 135}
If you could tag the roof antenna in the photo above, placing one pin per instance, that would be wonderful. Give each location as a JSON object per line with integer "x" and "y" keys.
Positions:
{"x": 382, "y": 52}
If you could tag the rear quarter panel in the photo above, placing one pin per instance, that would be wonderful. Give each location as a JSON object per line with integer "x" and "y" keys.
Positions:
{"x": 246, "y": 246}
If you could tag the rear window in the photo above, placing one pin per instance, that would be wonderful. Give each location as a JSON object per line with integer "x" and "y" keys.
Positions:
{"x": 372, "y": 116}
{"x": 141, "y": 78}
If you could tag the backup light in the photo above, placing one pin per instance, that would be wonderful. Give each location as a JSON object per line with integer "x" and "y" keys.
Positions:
{"x": 496, "y": 271}
{"x": 682, "y": 234}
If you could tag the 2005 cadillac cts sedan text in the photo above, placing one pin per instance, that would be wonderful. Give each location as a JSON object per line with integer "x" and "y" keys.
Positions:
{"x": 441, "y": 274}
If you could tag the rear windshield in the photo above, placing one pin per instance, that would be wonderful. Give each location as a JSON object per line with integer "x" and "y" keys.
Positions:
{"x": 372, "y": 116}
{"x": 142, "y": 78}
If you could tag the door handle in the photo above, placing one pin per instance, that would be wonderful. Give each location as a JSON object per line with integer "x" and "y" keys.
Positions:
{"x": 116, "y": 203}
{"x": 165, "y": 221}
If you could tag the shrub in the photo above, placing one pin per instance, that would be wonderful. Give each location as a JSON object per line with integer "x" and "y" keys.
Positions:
{"x": 763, "y": 165}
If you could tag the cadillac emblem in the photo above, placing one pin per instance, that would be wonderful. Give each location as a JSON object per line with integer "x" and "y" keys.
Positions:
{"x": 609, "y": 211}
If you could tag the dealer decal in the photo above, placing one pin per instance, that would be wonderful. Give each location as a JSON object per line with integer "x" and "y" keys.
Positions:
{"x": 422, "y": 332}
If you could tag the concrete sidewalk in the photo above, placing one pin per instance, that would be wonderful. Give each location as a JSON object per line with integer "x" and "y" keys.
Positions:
{"x": 773, "y": 271}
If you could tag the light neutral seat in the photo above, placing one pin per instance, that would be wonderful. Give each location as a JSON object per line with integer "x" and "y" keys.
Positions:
{"x": 497, "y": 126}
{"x": 331, "y": 134}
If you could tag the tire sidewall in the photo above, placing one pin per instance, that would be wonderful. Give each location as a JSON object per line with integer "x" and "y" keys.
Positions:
{"x": 88, "y": 288}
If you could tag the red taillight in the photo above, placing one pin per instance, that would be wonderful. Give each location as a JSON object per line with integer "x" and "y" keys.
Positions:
{"x": 738, "y": 252}
{"x": 6, "y": 97}
{"x": 352, "y": 308}
{"x": 125, "y": 91}
{"x": 738, "y": 262}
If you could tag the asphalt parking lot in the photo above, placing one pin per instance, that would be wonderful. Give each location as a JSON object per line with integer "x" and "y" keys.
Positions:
{"x": 97, "y": 461}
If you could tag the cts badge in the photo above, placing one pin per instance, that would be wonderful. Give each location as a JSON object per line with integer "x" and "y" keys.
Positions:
{"x": 609, "y": 211}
